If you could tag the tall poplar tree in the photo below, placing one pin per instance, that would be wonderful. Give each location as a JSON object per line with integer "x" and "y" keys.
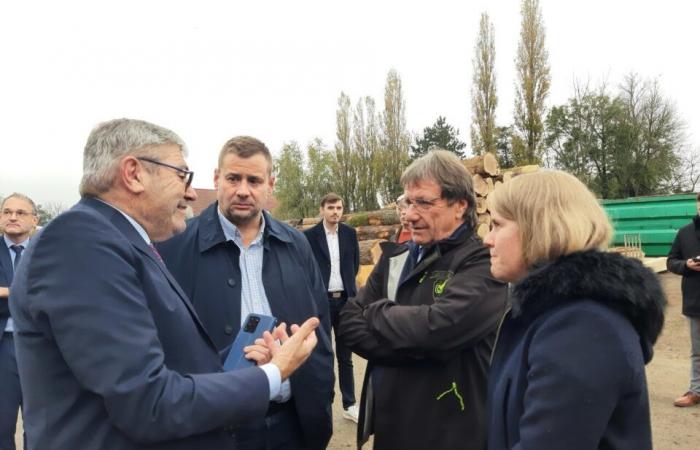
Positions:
{"x": 532, "y": 87}
{"x": 367, "y": 154}
{"x": 395, "y": 139}
{"x": 484, "y": 98}
{"x": 345, "y": 170}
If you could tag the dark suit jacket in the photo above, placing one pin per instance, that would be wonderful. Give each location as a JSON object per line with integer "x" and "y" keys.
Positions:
{"x": 207, "y": 268}
{"x": 111, "y": 353}
{"x": 349, "y": 254}
{"x": 6, "y": 273}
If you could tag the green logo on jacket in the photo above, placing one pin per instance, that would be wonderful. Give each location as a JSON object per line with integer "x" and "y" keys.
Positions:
{"x": 440, "y": 278}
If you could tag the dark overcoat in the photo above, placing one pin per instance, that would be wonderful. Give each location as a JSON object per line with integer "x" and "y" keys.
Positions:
{"x": 568, "y": 367}
{"x": 206, "y": 266}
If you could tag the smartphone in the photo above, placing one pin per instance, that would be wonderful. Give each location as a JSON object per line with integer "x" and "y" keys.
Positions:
{"x": 253, "y": 328}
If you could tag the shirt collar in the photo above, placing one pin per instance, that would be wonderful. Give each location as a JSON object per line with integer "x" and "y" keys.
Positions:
{"x": 139, "y": 229}
{"x": 9, "y": 243}
{"x": 333, "y": 230}
{"x": 232, "y": 233}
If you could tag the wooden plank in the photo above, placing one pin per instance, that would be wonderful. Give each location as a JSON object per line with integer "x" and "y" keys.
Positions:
{"x": 658, "y": 265}
{"x": 367, "y": 250}
{"x": 363, "y": 274}
{"x": 376, "y": 251}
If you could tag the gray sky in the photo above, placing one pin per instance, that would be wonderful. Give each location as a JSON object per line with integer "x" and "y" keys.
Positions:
{"x": 211, "y": 70}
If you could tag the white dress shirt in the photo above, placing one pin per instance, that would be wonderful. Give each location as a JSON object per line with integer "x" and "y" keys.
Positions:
{"x": 335, "y": 284}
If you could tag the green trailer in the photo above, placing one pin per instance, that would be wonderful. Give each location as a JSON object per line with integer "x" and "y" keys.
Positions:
{"x": 655, "y": 219}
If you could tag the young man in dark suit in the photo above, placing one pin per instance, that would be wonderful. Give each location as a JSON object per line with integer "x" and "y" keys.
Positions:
{"x": 18, "y": 221}
{"x": 337, "y": 253}
{"x": 110, "y": 351}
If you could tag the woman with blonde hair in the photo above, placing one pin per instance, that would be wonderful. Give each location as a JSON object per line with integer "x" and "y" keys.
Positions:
{"x": 568, "y": 367}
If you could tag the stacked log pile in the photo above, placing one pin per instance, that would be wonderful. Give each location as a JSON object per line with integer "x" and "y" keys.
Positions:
{"x": 487, "y": 177}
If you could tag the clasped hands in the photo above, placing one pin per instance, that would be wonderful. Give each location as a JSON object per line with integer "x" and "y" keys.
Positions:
{"x": 287, "y": 352}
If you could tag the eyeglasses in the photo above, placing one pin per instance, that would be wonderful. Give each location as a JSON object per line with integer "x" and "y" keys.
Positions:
{"x": 21, "y": 214}
{"x": 421, "y": 204}
{"x": 185, "y": 174}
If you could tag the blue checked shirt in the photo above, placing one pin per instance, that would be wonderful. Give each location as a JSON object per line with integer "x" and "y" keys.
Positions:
{"x": 253, "y": 297}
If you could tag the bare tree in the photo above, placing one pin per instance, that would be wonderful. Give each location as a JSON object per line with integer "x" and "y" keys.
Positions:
{"x": 654, "y": 137}
{"x": 484, "y": 99}
{"x": 684, "y": 176}
{"x": 47, "y": 211}
{"x": 532, "y": 86}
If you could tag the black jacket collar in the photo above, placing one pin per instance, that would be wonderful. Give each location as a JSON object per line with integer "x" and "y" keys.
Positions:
{"x": 211, "y": 233}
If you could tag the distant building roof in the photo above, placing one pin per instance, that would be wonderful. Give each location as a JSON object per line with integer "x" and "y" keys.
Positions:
{"x": 205, "y": 197}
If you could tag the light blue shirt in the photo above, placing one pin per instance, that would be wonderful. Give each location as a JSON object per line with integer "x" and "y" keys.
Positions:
{"x": 10, "y": 325}
{"x": 253, "y": 296}
{"x": 272, "y": 372}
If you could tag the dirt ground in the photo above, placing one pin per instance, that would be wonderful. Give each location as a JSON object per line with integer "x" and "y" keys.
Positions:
{"x": 673, "y": 428}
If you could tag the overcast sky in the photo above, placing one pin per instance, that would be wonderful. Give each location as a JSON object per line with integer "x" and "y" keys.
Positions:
{"x": 211, "y": 70}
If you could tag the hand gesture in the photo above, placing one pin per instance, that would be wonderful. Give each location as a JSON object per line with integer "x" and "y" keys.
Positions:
{"x": 291, "y": 352}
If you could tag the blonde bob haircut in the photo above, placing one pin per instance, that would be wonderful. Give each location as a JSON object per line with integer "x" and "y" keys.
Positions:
{"x": 555, "y": 212}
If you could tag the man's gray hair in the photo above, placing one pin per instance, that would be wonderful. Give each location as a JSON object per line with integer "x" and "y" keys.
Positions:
{"x": 110, "y": 141}
{"x": 445, "y": 169}
{"x": 21, "y": 197}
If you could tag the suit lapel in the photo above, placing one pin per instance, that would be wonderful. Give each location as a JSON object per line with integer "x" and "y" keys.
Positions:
{"x": 6, "y": 273}
{"x": 5, "y": 261}
{"x": 130, "y": 233}
{"x": 322, "y": 241}
{"x": 342, "y": 240}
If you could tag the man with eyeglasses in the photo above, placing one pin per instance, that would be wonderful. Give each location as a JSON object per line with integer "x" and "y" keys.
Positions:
{"x": 111, "y": 352}
{"x": 426, "y": 319}
{"x": 18, "y": 221}
{"x": 235, "y": 259}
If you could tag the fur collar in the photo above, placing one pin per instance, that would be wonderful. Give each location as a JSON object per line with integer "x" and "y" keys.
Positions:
{"x": 622, "y": 284}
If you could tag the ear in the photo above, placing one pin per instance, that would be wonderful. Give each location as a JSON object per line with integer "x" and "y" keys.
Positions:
{"x": 216, "y": 178}
{"x": 131, "y": 175}
{"x": 272, "y": 183}
{"x": 462, "y": 206}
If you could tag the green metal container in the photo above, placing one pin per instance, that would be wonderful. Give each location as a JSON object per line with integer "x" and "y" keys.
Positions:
{"x": 655, "y": 219}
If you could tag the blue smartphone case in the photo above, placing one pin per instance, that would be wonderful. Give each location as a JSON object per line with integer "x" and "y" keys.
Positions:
{"x": 253, "y": 328}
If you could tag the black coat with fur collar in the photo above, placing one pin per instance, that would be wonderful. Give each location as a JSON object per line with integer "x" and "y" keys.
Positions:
{"x": 568, "y": 369}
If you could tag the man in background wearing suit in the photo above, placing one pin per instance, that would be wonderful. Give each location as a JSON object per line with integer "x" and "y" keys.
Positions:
{"x": 110, "y": 351}
{"x": 337, "y": 253}
{"x": 18, "y": 221}
{"x": 235, "y": 259}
